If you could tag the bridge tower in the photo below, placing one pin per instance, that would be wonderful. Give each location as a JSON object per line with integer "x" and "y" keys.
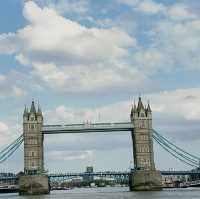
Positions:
{"x": 33, "y": 181}
{"x": 144, "y": 177}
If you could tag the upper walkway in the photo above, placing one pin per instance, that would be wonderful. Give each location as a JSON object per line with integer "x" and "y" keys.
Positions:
{"x": 87, "y": 127}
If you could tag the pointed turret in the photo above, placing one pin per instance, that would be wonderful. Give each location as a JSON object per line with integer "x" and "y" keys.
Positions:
{"x": 132, "y": 111}
{"x": 149, "y": 108}
{"x": 135, "y": 108}
{"x": 39, "y": 112}
{"x": 26, "y": 114}
{"x": 25, "y": 111}
{"x": 140, "y": 105}
{"x": 32, "y": 110}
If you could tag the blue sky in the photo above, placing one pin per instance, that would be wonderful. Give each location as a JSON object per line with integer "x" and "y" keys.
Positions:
{"x": 88, "y": 60}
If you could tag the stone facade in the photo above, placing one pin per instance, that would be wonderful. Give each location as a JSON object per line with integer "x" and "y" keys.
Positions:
{"x": 34, "y": 185}
{"x": 33, "y": 181}
{"x": 33, "y": 141}
{"x": 146, "y": 180}
{"x": 145, "y": 176}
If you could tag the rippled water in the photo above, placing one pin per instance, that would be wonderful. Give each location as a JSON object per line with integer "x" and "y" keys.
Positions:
{"x": 113, "y": 193}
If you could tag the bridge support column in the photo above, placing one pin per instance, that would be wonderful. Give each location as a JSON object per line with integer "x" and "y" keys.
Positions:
{"x": 34, "y": 185}
{"x": 144, "y": 177}
{"x": 145, "y": 181}
{"x": 33, "y": 181}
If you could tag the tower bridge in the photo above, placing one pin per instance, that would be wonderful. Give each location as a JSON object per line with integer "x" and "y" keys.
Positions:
{"x": 144, "y": 177}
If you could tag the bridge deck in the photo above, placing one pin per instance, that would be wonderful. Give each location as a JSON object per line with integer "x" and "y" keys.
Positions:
{"x": 87, "y": 127}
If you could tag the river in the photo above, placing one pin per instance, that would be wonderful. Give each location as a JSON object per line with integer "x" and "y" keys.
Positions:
{"x": 112, "y": 193}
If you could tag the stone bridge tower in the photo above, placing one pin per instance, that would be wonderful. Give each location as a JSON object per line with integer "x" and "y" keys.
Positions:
{"x": 145, "y": 176}
{"x": 34, "y": 181}
{"x": 33, "y": 141}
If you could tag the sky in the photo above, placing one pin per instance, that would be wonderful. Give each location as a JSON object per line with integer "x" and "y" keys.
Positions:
{"x": 89, "y": 60}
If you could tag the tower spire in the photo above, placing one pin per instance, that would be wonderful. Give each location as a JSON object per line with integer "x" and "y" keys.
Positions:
{"x": 148, "y": 107}
{"x": 140, "y": 105}
{"x": 25, "y": 111}
{"x": 33, "y": 110}
{"x": 39, "y": 111}
{"x": 132, "y": 111}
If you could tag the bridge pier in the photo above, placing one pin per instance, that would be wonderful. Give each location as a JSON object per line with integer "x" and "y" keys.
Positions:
{"x": 34, "y": 185}
{"x": 33, "y": 181}
{"x": 145, "y": 176}
{"x": 145, "y": 181}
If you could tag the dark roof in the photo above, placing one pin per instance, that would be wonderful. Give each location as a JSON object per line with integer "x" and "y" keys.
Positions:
{"x": 148, "y": 108}
{"x": 39, "y": 112}
{"x": 140, "y": 105}
{"x": 33, "y": 110}
{"x": 25, "y": 111}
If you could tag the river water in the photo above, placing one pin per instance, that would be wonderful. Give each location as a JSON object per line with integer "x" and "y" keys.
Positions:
{"x": 112, "y": 193}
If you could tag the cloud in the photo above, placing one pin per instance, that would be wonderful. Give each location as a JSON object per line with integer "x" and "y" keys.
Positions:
{"x": 3, "y": 128}
{"x": 174, "y": 111}
{"x": 68, "y": 56}
{"x": 150, "y": 7}
{"x": 65, "y": 6}
{"x": 70, "y": 155}
{"x": 180, "y": 12}
{"x": 58, "y": 37}
{"x": 90, "y": 78}
{"x": 180, "y": 103}
{"x": 173, "y": 43}
{"x": 9, "y": 88}
{"x": 145, "y": 6}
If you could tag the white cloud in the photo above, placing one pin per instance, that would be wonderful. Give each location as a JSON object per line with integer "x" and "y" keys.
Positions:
{"x": 9, "y": 88}
{"x": 151, "y": 61}
{"x": 180, "y": 12}
{"x": 49, "y": 33}
{"x": 150, "y": 7}
{"x": 3, "y": 128}
{"x": 107, "y": 113}
{"x": 180, "y": 104}
{"x": 8, "y": 43}
{"x": 68, "y": 56}
{"x": 81, "y": 78}
{"x": 174, "y": 43}
{"x": 8, "y": 132}
{"x": 145, "y": 6}
{"x": 70, "y": 155}
{"x": 65, "y": 6}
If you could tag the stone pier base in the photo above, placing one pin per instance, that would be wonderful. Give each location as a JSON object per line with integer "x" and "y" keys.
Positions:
{"x": 141, "y": 180}
{"x": 33, "y": 185}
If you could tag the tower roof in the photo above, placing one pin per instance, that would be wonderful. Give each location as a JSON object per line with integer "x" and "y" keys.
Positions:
{"x": 134, "y": 108}
{"x": 140, "y": 105}
{"x": 32, "y": 110}
{"x": 149, "y": 108}
{"x": 39, "y": 112}
{"x": 25, "y": 111}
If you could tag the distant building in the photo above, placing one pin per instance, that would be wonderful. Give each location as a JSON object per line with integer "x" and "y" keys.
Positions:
{"x": 89, "y": 169}
{"x": 88, "y": 177}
